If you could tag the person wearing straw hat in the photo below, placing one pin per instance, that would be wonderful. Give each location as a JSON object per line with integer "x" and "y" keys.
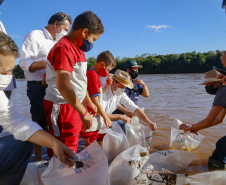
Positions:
{"x": 216, "y": 115}
{"x": 115, "y": 94}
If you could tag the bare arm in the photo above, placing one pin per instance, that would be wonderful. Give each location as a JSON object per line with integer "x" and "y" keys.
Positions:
{"x": 37, "y": 65}
{"x": 114, "y": 117}
{"x": 68, "y": 93}
{"x": 140, "y": 114}
{"x": 145, "y": 92}
{"x": 63, "y": 153}
{"x": 207, "y": 122}
{"x": 100, "y": 110}
{"x": 90, "y": 105}
{"x": 220, "y": 118}
{"x": 125, "y": 111}
{"x": 108, "y": 84}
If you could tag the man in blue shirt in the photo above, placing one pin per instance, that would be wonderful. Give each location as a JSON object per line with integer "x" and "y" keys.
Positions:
{"x": 140, "y": 88}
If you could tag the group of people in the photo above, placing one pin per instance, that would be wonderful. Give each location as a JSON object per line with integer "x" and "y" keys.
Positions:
{"x": 67, "y": 100}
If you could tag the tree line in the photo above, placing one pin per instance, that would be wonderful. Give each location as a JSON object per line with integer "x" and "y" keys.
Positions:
{"x": 191, "y": 62}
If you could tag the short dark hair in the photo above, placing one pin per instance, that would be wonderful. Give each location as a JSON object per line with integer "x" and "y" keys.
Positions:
{"x": 223, "y": 3}
{"x": 8, "y": 47}
{"x": 60, "y": 17}
{"x": 88, "y": 20}
{"x": 107, "y": 58}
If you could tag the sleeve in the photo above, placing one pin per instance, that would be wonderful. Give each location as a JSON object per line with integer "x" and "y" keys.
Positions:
{"x": 12, "y": 121}
{"x": 220, "y": 98}
{"x": 61, "y": 59}
{"x": 128, "y": 103}
{"x": 140, "y": 89}
{"x": 29, "y": 50}
{"x": 94, "y": 85}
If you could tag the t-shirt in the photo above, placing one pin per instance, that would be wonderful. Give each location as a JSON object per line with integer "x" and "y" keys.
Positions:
{"x": 66, "y": 56}
{"x": 93, "y": 82}
{"x": 135, "y": 92}
{"x": 220, "y": 98}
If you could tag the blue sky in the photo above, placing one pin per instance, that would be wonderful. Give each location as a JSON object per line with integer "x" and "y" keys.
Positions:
{"x": 131, "y": 27}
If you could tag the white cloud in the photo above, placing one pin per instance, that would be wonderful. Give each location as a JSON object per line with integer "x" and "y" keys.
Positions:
{"x": 157, "y": 28}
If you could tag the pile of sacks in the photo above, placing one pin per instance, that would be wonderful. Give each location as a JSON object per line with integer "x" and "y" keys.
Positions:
{"x": 125, "y": 160}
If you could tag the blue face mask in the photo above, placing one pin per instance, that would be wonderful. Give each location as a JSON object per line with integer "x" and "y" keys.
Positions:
{"x": 86, "y": 46}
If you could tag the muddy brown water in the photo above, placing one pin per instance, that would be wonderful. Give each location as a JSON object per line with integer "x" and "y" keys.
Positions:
{"x": 171, "y": 96}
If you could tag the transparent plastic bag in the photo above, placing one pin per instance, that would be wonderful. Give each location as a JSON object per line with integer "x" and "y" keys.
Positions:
{"x": 184, "y": 141}
{"x": 94, "y": 170}
{"x": 163, "y": 177}
{"x": 114, "y": 141}
{"x": 172, "y": 160}
{"x": 141, "y": 135}
{"x": 208, "y": 178}
{"x": 33, "y": 173}
{"x": 127, "y": 165}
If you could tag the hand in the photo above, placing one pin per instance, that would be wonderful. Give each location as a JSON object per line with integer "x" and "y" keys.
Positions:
{"x": 139, "y": 81}
{"x": 126, "y": 119}
{"x": 184, "y": 127}
{"x": 219, "y": 76}
{"x": 109, "y": 81}
{"x": 129, "y": 114}
{"x": 92, "y": 109}
{"x": 63, "y": 153}
{"x": 152, "y": 125}
{"x": 87, "y": 121}
{"x": 107, "y": 122}
{"x": 223, "y": 79}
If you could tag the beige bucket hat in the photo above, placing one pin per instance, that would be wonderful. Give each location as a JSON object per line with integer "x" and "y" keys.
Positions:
{"x": 124, "y": 78}
{"x": 211, "y": 76}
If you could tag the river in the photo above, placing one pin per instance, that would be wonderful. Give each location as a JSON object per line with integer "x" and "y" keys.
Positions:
{"x": 171, "y": 96}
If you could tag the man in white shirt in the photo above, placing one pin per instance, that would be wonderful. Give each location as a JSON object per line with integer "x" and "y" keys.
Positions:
{"x": 12, "y": 85}
{"x": 15, "y": 148}
{"x": 33, "y": 61}
{"x": 115, "y": 94}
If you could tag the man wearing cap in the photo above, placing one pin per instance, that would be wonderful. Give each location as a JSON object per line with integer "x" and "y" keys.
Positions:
{"x": 216, "y": 115}
{"x": 115, "y": 94}
{"x": 140, "y": 87}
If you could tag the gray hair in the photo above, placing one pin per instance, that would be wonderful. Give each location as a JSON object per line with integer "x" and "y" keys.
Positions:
{"x": 60, "y": 17}
{"x": 8, "y": 47}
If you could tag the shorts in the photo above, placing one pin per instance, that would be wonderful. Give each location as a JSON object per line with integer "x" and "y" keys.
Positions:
{"x": 68, "y": 122}
{"x": 90, "y": 137}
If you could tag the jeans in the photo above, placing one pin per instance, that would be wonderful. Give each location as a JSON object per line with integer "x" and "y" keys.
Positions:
{"x": 36, "y": 93}
{"x": 122, "y": 125}
{"x": 14, "y": 157}
{"x": 220, "y": 152}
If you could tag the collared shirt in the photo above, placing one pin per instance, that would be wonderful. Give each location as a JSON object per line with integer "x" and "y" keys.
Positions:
{"x": 2, "y": 28}
{"x": 13, "y": 122}
{"x": 36, "y": 47}
{"x": 111, "y": 102}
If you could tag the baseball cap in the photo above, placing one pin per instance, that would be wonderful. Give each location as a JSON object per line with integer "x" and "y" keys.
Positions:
{"x": 132, "y": 63}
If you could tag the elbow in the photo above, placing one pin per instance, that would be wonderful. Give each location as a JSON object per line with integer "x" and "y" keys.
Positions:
{"x": 146, "y": 95}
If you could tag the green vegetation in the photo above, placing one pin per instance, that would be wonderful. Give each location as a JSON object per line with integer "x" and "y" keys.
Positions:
{"x": 164, "y": 64}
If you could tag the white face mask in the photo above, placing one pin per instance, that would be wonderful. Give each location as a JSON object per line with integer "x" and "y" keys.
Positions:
{"x": 119, "y": 91}
{"x": 61, "y": 34}
{"x": 5, "y": 81}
